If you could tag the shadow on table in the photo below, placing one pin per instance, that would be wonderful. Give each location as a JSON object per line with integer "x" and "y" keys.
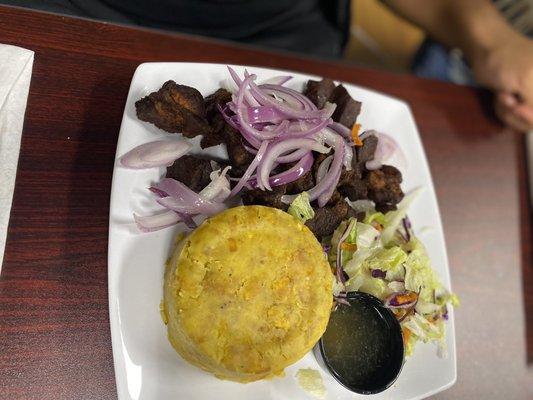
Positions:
{"x": 526, "y": 217}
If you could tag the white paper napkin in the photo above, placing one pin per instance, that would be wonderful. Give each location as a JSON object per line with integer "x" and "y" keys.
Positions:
{"x": 15, "y": 75}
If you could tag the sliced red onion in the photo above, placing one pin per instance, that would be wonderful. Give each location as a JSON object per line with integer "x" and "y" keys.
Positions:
{"x": 292, "y": 174}
{"x": 348, "y": 157}
{"x": 387, "y": 151}
{"x": 339, "y": 270}
{"x": 304, "y": 129}
{"x": 267, "y": 100}
{"x": 242, "y": 115}
{"x": 334, "y": 173}
{"x": 158, "y": 192}
{"x": 156, "y": 222}
{"x": 218, "y": 189}
{"x": 184, "y": 200}
{"x": 342, "y": 300}
{"x": 155, "y": 154}
{"x": 249, "y": 98}
{"x": 249, "y": 138}
{"x": 294, "y": 156}
{"x": 185, "y": 218}
{"x": 323, "y": 168}
{"x": 251, "y": 169}
{"x": 264, "y": 114}
{"x": 292, "y": 98}
{"x": 200, "y": 206}
{"x": 324, "y": 197}
{"x": 277, "y": 80}
{"x": 329, "y": 182}
{"x": 341, "y": 130}
{"x": 275, "y": 150}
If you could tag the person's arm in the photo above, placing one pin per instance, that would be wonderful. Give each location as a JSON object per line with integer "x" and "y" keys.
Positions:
{"x": 501, "y": 58}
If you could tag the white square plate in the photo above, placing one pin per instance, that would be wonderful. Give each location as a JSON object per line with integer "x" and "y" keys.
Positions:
{"x": 146, "y": 366}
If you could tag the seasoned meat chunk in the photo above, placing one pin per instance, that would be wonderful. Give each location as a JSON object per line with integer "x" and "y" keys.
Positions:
{"x": 239, "y": 157}
{"x": 328, "y": 218}
{"x": 215, "y": 119}
{"x": 347, "y": 109}
{"x": 212, "y": 139}
{"x": 219, "y": 98}
{"x": 265, "y": 197}
{"x": 319, "y": 91}
{"x": 351, "y": 185}
{"x": 366, "y": 151}
{"x": 385, "y": 207}
{"x": 175, "y": 108}
{"x": 384, "y": 186}
{"x": 192, "y": 171}
{"x": 347, "y": 177}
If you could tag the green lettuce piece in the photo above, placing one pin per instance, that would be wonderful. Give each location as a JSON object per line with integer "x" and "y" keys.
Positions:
{"x": 419, "y": 275}
{"x": 365, "y": 235}
{"x": 300, "y": 208}
{"x": 378, "y": 217}
{"x": 423, "y": 329}
{"x": 393, "y": 219}
{"x": 376, "y": 287}
{"x": 363, "y": 281}
{"x": 356, "y": 262}
{"x": 387, "y": 259}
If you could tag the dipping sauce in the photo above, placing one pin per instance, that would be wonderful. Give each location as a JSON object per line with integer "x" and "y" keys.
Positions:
{"x": 363, "y": 345}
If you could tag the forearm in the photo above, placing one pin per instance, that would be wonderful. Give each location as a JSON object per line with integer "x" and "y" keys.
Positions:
{"x": 474, "y": 26}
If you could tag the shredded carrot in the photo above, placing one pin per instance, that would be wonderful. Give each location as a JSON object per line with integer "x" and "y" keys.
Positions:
{"x": 355, "y": 134}
{"x": 406, "y": 298}
{"x": 377, "y": 226}
{"x": 348, "y": 246}
{"x": 406, "y": 335}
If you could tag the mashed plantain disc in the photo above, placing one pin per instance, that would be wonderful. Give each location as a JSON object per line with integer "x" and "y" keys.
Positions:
{"x": 247, "y": 293}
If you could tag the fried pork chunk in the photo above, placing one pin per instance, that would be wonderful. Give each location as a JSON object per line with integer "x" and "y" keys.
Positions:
{"x": 176, "y": 109}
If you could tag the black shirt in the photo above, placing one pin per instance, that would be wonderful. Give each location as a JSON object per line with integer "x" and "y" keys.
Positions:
{"x": 312, "y": 27}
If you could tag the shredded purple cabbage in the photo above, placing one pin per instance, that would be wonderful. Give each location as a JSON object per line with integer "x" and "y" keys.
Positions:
{"x": 378, "y": 273}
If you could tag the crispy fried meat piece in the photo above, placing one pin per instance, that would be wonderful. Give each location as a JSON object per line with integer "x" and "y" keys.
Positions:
{"x": 215, "y": 119}
{"x": 191, "y": 171}
{"x": 384, "y": 187}
{"x": 239, "y": 157}
{"x": 328, "y": 218}
{"x": 366, "y": 151}
{"x": 176, "y": 109}
{"x": 347, "y": 109}
{"x": 351, "y": 185}
{"x": 219, "y": 98}
{"x": 319, "y": 91}
{"x": 269, "y": 198}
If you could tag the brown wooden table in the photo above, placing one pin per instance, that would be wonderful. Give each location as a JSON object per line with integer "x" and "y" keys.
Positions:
{"x": 54, "y": 327}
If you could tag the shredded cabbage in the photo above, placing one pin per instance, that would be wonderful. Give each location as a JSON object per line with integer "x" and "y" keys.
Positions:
{"x": 407, "y": 267}
{"x": 393, "y": 219}
{"x": 300, "y": 208}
